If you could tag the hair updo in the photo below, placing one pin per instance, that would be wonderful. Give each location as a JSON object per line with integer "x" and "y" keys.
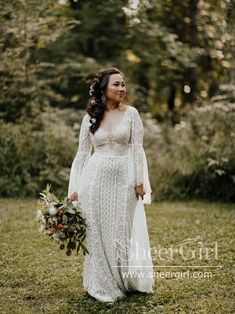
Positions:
{"x": 97, "y": 105}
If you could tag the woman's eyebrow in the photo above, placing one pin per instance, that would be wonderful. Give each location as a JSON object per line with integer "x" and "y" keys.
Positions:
{"x": 118, "y": 82}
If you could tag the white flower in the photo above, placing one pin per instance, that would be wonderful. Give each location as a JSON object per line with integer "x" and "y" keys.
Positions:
{"x": 52, "y": 210}
{"x": 43, "y": 220}
{"x": 41, "y": 228}
{"x": 54, "y": 219}
{"x": 55, "y": 237}
{"x": 39, "y": 215}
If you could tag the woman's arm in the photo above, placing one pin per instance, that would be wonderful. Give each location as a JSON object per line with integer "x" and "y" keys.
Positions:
{"x": 141, "y": 180}
{"x": 82, "y": 156}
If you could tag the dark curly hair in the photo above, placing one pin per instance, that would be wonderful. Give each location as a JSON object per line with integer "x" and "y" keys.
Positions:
{"x": 97, "y": 106}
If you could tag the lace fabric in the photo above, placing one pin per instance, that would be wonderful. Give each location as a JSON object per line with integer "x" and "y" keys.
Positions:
{"x": 104, "y": 182}
{"x": 106, "y": 144}
{"x": 138, "y": 156}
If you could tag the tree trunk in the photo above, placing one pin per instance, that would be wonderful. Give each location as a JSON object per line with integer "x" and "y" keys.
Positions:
{"x": 171, "y": 98}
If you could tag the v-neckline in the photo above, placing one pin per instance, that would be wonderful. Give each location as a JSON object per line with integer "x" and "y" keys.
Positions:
{"x": 120, "y": 122}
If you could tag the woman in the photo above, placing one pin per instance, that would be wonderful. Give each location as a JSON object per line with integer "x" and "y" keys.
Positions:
{"x": 111, "y": 186}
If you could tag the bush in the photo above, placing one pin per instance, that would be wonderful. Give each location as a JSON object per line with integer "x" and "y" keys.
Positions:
{"x": 195, "y": 158}
{"x": 32, "y": 155}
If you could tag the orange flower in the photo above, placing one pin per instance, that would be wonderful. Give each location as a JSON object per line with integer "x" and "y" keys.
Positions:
{"x": 59, "y": 226}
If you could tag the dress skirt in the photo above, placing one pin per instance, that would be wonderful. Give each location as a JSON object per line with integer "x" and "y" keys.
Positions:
{"x": 119, "y": 258}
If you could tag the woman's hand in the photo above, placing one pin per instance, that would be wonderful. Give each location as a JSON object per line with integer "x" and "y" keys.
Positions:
{"x": 73, "y": 197}
{"x": 139, "y": 191}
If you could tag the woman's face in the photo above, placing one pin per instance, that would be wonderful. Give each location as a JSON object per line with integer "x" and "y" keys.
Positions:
{"x": 116, "y": 88}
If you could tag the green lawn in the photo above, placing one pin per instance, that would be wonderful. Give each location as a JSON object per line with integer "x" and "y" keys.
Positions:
{"x": 36, "y": 277}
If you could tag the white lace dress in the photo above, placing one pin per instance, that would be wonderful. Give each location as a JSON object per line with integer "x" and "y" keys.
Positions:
{"x": 119, "y": 257}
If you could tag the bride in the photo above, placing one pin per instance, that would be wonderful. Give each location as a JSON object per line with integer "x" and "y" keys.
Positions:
{"x": 111, "y": 185}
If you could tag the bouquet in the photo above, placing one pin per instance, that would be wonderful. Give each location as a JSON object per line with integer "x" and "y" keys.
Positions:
{"x": 62, "y": 221}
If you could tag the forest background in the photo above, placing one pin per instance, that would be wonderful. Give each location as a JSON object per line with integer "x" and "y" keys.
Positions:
{"x": 178, "y": 58}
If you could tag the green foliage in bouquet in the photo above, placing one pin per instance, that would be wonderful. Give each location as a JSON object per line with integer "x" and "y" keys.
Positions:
{"x": 61, "y": 221}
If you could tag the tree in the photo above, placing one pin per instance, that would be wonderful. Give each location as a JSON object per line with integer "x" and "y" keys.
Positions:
{"x": 29, "y": 27}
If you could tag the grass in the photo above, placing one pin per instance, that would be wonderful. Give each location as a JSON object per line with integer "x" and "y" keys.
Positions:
{"x": 36, "y": 277}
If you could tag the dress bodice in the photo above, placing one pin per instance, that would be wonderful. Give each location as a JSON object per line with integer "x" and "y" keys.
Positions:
{"x": 117, "y": 141}
{"x": 124, "y": 140}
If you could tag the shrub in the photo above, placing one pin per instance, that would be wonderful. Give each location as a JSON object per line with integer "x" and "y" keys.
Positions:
{"x": 195, "y": 158}
{"x": 32, "y": 155}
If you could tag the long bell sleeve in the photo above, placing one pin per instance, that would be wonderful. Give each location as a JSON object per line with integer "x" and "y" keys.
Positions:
{"x": 81, "y": 158}
{"x": 139, "y": 160}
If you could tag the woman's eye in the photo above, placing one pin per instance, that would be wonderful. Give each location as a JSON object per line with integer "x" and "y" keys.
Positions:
{"x": 118, "y": 84}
